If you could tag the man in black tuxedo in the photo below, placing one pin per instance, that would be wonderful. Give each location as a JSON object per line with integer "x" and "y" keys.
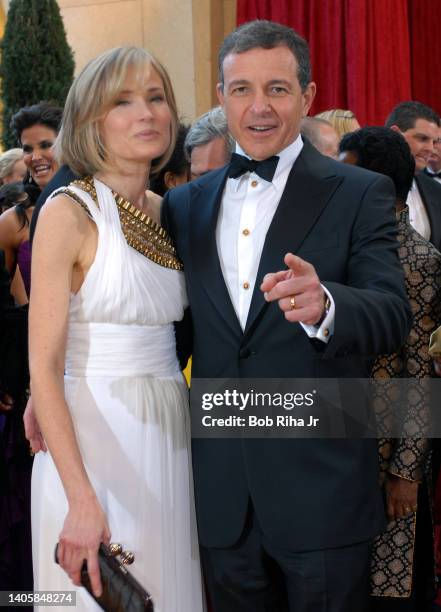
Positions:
{"x": 285, "y": 524}
{"x": 419, "y": 125}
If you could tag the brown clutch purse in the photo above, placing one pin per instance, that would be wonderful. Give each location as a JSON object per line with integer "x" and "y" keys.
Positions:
{"x": 121, "y": 591}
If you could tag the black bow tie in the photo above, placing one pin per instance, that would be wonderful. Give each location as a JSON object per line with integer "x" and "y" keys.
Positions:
{"x": 432, "y": 174}
{"x": 265, "y": 169}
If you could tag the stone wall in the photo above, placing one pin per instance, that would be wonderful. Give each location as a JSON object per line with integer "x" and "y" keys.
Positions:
{"x": 183, "y": 34}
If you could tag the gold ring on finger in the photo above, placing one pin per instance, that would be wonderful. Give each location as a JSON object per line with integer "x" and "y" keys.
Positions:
{"x": 292, "y": 302}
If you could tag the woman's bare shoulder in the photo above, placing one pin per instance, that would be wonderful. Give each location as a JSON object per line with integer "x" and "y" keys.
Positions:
{"x": 11, "y": 230}
{"x": 10, "y": 219}
{"x": 62, "y": 208}
{"x": 65, "y": 221}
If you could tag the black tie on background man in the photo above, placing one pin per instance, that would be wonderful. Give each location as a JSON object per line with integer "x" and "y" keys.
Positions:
{"x": 297, "y": 276}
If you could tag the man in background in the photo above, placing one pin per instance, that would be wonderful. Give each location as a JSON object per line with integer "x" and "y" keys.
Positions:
{"x": 419, "y": 125}
{"x": 321, "y": 135}
{"x": 208, "y": 144}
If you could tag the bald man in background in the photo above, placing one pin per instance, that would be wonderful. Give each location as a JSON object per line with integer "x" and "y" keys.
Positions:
{"x": 321, "y": 135}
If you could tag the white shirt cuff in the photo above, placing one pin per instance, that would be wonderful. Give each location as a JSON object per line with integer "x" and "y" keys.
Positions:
{"x": 326, "y": 329}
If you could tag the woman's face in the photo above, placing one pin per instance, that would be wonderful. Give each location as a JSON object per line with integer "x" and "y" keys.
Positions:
{"x": 18, "y": 173}
{"x": 137, "y": 127}
{"x": 37, "y": 143}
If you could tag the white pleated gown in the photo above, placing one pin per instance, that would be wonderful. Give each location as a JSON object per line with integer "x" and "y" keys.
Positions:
{"x": 128, "y": 402}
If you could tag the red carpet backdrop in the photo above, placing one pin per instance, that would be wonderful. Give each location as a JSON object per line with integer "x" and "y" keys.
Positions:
{"x": 367, "y": 55}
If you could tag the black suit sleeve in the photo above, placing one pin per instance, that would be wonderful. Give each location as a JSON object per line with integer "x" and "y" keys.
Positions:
{"x": 372, "y": 312}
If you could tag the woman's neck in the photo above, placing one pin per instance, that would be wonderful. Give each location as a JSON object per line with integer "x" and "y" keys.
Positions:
{"x": 131, "y": 185}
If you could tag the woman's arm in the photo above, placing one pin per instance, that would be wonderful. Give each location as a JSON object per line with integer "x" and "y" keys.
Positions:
{"x": 64, "y": 247}
{"x": 12, "y": 234}
{"x": 18, "y": 290}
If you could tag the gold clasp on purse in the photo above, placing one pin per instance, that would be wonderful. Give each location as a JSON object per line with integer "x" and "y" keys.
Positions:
{"x": 116, "y": 550}
{"x": 127, "y": 557}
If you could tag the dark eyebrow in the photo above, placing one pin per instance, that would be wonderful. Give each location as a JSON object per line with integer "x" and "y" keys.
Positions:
{"x": 240, "y": 82}
{"x": 41, "y": 142}
{"x": 280, "y": 82}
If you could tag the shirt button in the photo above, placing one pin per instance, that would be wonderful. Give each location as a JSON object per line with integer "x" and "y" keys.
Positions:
{"x": 246, "y": 232}
{"x": 254, "y": 183}
{"x": 246, "y": 285}
{"x": 326, "y": 332}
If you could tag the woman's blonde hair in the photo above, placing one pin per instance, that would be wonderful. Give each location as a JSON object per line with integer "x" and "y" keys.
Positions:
{"x": 340, "y": 119}
{"x": 79, "y": 143}
{"x": 7, "y": 161}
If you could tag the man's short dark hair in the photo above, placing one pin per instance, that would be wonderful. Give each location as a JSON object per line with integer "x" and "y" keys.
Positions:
{"x": 265, "y": 34}
{"x": 42, "y": 113}
{"x": 385, "y": 151}
{"x": 405, "y": 114}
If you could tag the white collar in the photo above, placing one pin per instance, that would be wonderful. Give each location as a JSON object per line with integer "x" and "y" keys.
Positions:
{"x": 287, "y": 157}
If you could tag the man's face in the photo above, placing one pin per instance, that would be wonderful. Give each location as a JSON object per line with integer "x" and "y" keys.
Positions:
{"x": 435, "y": 157}
{"x": 421, "y": 139}
{"x": 262, "y": 100}
{"x": 208, "y": 157}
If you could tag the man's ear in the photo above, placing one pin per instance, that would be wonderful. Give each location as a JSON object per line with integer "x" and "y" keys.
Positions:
{"x": 169, "y": 179}
{"x": 395, "y": 128}
{"x": 308, "y": 97}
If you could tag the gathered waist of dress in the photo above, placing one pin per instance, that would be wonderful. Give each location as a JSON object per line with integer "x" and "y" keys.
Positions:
{"x": 109, "y": 349}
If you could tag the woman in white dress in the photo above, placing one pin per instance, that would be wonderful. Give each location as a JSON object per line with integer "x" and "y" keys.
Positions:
{"x": 107, "y": 389}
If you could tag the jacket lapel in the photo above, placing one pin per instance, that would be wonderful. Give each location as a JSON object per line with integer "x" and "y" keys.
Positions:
{"x": 426, "y": 187}
{"x": 308, "y": 189}
{"x": 204, "y": 211}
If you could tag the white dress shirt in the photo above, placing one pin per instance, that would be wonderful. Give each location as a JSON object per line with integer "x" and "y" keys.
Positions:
{"x": 246, "y": 211}
{"x": 418, "y": 217}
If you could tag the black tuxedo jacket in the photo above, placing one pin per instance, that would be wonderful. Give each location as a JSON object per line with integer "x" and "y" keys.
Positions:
{"x": 430, "y": 192}
{"x": 307, "y": 494}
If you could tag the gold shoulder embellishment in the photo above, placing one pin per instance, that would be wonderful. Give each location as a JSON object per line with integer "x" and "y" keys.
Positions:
{"x": 140, "y": 231}
{"x": 75, "y": 197}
